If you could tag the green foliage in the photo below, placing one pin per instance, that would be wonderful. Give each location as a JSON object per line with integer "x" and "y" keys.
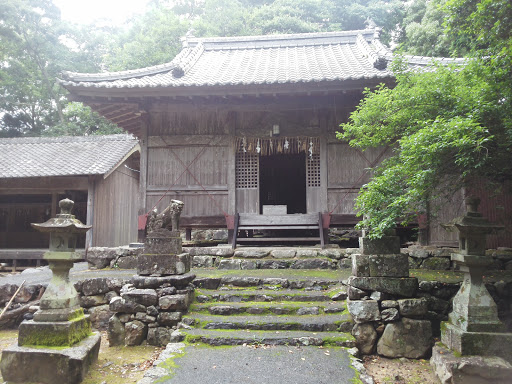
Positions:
{"x": 36, "y": 47}
{"x": 152, "y": 39}
{"x": 80, "y": 120}
{"x": 444, "y": 133}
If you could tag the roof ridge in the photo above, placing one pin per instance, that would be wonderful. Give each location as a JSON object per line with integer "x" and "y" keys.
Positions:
{"x": 66, "y": 139}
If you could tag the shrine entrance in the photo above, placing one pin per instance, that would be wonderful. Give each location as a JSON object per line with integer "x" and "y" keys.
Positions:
{"x": 283, "y": 182}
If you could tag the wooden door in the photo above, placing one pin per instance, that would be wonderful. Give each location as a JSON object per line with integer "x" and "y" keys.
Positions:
{"x": 247, "y": 182}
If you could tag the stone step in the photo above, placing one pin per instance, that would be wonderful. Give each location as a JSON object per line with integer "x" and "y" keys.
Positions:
{"x": 249, "y": 264}
{"x": 324, "y": 323}
{"x": 260, "y": 295}
{"x": 275, "y": 308}
{"x": 253, "y": 337}
{"x": 247, "y": 280}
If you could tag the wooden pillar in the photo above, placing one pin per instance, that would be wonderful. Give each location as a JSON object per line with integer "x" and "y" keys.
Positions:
{"x": 143, "y": 171}
{"x": 55, "y": 197}
{"x": 89, "y": 236}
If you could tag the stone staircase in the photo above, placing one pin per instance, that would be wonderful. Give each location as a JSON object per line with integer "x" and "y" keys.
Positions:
{"x": 245, "y": 309}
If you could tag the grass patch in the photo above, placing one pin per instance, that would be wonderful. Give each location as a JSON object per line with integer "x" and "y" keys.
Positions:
{"x": 290, "y": 274}
{"x": 456, "y": 277}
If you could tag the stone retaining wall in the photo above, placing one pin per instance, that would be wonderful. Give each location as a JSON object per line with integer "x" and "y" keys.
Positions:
{"x": 419, "y": 257}
{"x": 395, "y": 326}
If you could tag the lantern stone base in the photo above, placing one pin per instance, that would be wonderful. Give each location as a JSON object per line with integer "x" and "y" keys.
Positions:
{"x": 477, "y": 343}
{"x": 454, "y": 369}
{"x": 386, "y": 245}
{"x": 21, "y": 364}
{"x": 163, "y": 265}
{"x": 54, "y": 334}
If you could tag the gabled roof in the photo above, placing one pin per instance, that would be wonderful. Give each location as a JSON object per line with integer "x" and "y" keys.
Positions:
{"x": 64, "y": 156}
{"x": 252, "y": 60}
{"x": 308, "y": 63}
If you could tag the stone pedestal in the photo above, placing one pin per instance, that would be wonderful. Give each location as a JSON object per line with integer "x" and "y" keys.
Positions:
{"x": 386, "y": 245}
{"x": 163, "y": 255}
{"x": 22, "y": 364}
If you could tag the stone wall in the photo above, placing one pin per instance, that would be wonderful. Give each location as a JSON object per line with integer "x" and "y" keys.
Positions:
{"x": 438, "y": 258}
{"x": 116, "y": 257}
{"x": 139, "y": 309}
{"x": 395, "y": 326}
{"x": 271, "y": 258}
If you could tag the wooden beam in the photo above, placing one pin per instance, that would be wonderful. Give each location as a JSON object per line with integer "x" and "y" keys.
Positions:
{"x": 89, "y": 236}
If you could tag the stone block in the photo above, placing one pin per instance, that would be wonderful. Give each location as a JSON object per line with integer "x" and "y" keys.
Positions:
{"x": 127, "y": 262}
{"x": 283, "y": 253}
{"x": 135, "y": 332}
{"x": 174, "y": 303}
{"x": 49, "y": 366}
{"x": 203, "y": 261}
{"x": 251, "y": 253}
{"x": 115, "y": 331}
{"x": 162, "y": 264}
{"x": 92, "y": 301}
{"x": 306, "y": 253}
{"x": 100, "y": 257}
{"x": 207, "y": 282}
{"x": 355, "y": 293}
{"x": 363, "y": 311}
{"x": 311, "y": 264}
{"x": 229, "y": 264}
{"x": 395, "y": 265}
{"x": 360, "y": 265}
{"x": 159, "y": 336}
{"x": 118, "y": 304}
{"x": 406, "y": 338}
{"x": 96, "y": 286}
{"x": 274, "y": 264}
{"x": 332, "y": 253}
{"x": 212, "y": 251}
{"x": 145, "y": 297}
{"x": 169, "y": 319}
{"x": 53, "y": 334}
{"x": 241, "y": 281}
{"x": 145, "y": 318}
{"x": 451, "y": 369}
{"x": 389, "y": 304}
{"x": 366, "y": 337}
{"x": 178, "y": 281}
{"x": 413, "y": 307}
{"x": 401, "y": 286}
{"x": 99, "y": 316}
{"x": 389, "y": 314}
{"x": 248, "y": 264}
{"x": 163, "y": 242}
{"x": 386, "y": 245}
{"x": 477, "y": 343}
{"x": 436, "y": 263}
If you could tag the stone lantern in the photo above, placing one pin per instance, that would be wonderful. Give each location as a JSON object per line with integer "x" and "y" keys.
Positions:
{"x": 60, "y": 334}
{"x": 474, "y": 327}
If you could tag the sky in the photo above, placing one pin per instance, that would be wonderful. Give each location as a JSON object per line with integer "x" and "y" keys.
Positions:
{"x": 86, "y": 11}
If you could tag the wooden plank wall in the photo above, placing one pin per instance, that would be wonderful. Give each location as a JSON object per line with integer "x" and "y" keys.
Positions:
{"x": 115, "y": 208}
{"x": 204, "y": 186}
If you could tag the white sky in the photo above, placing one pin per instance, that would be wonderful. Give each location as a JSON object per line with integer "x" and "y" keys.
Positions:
{"x": 86, "y": 11}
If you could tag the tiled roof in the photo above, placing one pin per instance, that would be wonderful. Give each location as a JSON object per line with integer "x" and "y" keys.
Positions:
{"x": 63, "y": 156}
{"x": 255, "y": 60}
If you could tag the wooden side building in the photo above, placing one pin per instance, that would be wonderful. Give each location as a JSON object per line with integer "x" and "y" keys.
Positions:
{"x": 237, "y": 124}
{"x": 100, "y": 173}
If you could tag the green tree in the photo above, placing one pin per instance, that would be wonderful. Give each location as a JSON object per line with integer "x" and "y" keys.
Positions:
{"x": 448, "y": 126}
{"x": 151, "y": 39}
{"x": 35, "y": 47}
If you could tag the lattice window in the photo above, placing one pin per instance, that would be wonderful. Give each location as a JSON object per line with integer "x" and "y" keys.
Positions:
{"x": 247, "y": 169}
{"x": 313, "y": 170}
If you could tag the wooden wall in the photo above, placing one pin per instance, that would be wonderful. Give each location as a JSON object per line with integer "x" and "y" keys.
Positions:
{"x": 115, "y": 208}
{"x": 35, "y": 200}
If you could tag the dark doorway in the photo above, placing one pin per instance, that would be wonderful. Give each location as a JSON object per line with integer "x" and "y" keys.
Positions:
{"x": 283, "y": 181}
